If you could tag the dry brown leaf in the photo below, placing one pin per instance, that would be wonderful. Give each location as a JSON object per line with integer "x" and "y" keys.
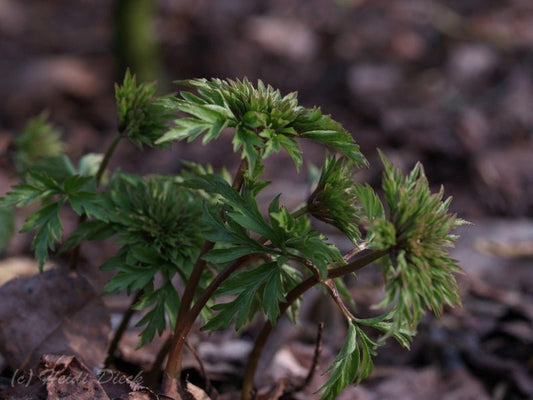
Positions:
{"x": 196, "y": 392}
{"x": 66, "y": 377}
{"x": 56, "y": 312}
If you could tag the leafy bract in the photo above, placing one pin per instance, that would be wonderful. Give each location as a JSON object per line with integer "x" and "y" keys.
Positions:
{"x": 141, "y": 115}
{"x": 334, "y": 201}
{"x": 418, "y": 272}
{"x": 352, "y": 364}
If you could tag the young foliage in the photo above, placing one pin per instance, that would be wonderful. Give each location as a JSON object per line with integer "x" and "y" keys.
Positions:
{"x": 79, "y": 191}
{"x": 7, "y": 225}
{"x": 140, "y": 118}
{"x": 157, "y": 223}
{"x": 352, "y": 364}
{"x": 39, "y": 148}
{"x": 208, "y": 231}
{"x": 418, "y": 272}
{"x": 264, "y": 121}
{"x": 335, "y": 201}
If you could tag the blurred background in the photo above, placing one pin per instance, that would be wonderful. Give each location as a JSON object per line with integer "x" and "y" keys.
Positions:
{"x": 448, "y": 83}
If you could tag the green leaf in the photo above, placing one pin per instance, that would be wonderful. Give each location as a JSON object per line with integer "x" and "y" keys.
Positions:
{"x": 7, "y": 225}
{"x": 293, "y": 148}
{"x": 49, "y": 227}
{"x": 89, "y": 230}
{"x": 143, "y": 117}
{"x": 273, "y": 296}
{"x": 129, "y": 277}
{"x": 39, "y": 141}
{"x": 264, "y": 280}
{"x": 369, "y": 201}
{"x": 155, "y": 323}
{"x": 352, "y": 364}
{"x": 241, "y": 307}
{"x": 245, "y": 211}
{"x": 221, "y": 256}
{"x": 205, "y": 112}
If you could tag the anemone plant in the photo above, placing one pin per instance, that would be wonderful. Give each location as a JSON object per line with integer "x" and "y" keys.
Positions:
{"x": 235, "y": 262}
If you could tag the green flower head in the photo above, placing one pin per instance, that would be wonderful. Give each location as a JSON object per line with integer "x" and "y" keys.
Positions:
{"x": 334, "y": 201}
{"x": 419, "y": 273}
{"x": 158, "y": 213}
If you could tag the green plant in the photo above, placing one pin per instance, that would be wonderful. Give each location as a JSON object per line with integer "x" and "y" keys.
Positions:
{"x": 206, "y": 229}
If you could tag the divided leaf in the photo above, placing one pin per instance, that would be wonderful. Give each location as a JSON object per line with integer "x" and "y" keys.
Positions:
{"x": 352, "y": 364}
{"x": 264, "y": 121}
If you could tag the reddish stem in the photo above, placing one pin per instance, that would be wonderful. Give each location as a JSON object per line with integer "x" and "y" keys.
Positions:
{"x": 173, "y": 367}
{"x": 364, "y": 258}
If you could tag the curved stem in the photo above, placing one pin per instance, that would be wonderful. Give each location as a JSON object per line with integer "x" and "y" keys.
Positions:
{"x": 364, "y": 258}
{"x": 75, "y": 255}
{"x": 107, "y": 157}
{"x": 173, "y": 367}
{"x": 126, "y": 317}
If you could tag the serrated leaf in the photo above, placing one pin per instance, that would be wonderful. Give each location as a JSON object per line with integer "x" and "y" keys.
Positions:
{"x": 352, "y": 364}
{"x": 264, "y": 280}
{"x": 221, "y": 256}
{"x": 89, "y": 230}
{"x": 369, "y": 201}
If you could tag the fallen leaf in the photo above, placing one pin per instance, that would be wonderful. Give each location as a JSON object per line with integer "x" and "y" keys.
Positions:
{"x": 196, "y": 392}
{"x": 18, "y": 267}
{"x": 56, "y": 312}
{"x": 66, "y": 377}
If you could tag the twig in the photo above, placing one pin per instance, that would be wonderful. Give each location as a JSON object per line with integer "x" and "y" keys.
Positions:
{"x": 207, "y": 382}
{"x": 126, "y": 317}
{"x": 314, "y": 364}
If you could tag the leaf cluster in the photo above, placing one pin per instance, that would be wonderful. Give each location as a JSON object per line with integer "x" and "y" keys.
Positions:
{"x": 238, "y": 217}
{"x": 335, "y": 201}
{"x": 157, "y": 224}
{"x": 239, "y": 229}
{"x": 419, "y": 272}
{"x": 415, "y": 229}
{"x": 78, "y": 190}
{"x": 264, "y": 121}
{"x": 140, "y": 116}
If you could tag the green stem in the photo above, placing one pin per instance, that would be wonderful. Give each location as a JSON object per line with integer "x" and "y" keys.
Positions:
{"x": 107, "y": 157}
{"x": 75, "y": 255}
{"x": 299, "y": 212}
{"x": 364, "y": 258}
